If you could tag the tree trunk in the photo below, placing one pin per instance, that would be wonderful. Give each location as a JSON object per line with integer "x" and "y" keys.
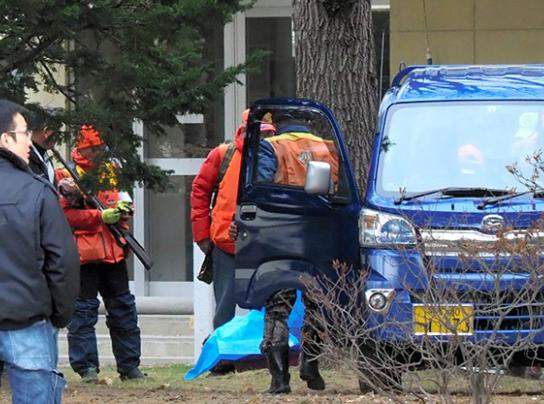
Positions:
{"x": 335, "y": 65}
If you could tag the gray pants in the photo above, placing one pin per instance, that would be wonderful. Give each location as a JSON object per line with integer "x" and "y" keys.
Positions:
{"x": 223, "y": 287}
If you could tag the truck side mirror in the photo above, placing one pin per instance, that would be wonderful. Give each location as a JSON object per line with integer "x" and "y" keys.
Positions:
{"x": 318, "y": 178}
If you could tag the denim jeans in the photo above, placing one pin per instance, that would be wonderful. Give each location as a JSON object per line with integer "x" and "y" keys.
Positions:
{"x": 30, "y": 356}
{"x": 122, "y": 322}
{"x": 223, "y": 287}
{"x": 111, "y": 280}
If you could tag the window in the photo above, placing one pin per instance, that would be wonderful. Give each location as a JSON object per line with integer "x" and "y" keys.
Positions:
{"x": 276, "y": 74}
{"x": 170, "y": 232}
{"x": 288, "y": 140}
{"x": 429, "y": 146}
{"x": 196, "y": 134}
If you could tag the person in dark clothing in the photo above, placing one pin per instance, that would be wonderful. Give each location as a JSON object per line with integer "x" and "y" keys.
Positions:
{"x": 280, "y": 161}
{"x": 43, "y": 141}
{"x": 274, "y": 165}
{"x": 39, "y": 268}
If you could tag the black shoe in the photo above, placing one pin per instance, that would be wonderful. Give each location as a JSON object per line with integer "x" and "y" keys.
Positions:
{"x": 278, "y": 365}
{"x": 309, "y": 372}
{"x": 89, "y": 376}
{"x": 222, "y": 368}
{"x": 133, "y": 374}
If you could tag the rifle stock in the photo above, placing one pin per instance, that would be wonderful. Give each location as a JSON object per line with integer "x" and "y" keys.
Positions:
{"x": 121, "y": 235}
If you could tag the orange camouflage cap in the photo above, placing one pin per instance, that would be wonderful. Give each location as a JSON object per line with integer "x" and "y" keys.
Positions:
{"x": 88, "y": 137}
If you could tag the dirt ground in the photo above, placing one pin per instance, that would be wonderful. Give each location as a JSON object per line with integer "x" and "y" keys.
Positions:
{"x": 165, "y": 385}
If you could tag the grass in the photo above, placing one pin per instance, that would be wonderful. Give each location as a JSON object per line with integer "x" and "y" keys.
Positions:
{"x": 258, "y": 380}
{"x": 171, "y": 375}
{"x": 166, "y": 384}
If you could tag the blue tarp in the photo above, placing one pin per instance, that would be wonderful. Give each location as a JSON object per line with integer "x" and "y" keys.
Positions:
{"x": 241, "y": 337}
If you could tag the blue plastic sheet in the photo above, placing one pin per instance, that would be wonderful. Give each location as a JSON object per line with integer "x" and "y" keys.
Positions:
{"x": 241, "y": 338}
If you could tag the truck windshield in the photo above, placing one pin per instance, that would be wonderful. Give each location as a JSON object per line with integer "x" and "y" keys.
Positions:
{"x": 429, "y": 146}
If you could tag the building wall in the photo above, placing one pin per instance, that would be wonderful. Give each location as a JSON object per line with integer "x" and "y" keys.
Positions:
{"x": 46, "y": 99}
{"x": 466, "y": 31}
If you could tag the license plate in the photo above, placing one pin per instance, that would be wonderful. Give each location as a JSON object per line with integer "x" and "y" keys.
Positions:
{"x": 443, "y": 319}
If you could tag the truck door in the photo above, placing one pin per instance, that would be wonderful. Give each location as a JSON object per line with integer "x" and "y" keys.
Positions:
{"x": 284, "y": 231}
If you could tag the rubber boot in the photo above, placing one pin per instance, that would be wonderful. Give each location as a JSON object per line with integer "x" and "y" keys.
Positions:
{"x": 278, "y": 365}
{"x": 133, "y": 374}
{"x": 309, "y": 372}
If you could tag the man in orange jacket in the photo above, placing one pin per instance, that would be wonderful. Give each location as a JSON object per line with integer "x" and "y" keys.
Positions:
{"x": 283, "y": 159}
{"x": 103, "y": 269}
{"x": 211, "y": 223}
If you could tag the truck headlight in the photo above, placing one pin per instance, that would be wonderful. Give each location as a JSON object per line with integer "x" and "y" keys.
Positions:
{"x": 378, "y": 229}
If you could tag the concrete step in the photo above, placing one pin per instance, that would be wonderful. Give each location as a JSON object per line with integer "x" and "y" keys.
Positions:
{"x": 165, "y": 339}
{"x": 156, "y": 324}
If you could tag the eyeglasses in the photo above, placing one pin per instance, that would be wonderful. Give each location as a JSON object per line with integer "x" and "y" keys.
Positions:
{"x": 28, "y": 133}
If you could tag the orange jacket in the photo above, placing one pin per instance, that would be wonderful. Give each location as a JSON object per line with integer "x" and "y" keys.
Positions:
{"x": 95, "y": 242}
{"x": 214, "y": 223}
{"x": 293, "y": 152}
{"x": 225, "y": 206}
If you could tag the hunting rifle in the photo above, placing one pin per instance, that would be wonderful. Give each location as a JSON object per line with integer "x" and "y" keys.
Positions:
{"x": 123, "y": 237}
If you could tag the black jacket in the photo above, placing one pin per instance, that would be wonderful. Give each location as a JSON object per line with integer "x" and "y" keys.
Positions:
{"x": 39, "y": 263}
{"x": 37, "y": 165}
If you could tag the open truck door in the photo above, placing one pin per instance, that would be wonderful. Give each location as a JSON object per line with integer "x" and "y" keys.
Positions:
{"x": 298, "y": 203}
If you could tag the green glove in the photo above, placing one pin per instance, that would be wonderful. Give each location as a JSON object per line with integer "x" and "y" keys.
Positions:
{"x": 124, "y": 207}
{"x": 111, "y": 216}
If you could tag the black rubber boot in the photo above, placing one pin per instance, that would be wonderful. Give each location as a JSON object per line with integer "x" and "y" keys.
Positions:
{"x": 309, "y": 372}
{"x": 133, "y": 374}
{"x": 278, "y": 365}
{"x": 89, "y": 376}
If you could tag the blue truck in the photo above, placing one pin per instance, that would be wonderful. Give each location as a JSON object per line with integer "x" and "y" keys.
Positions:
{"x": 444, "y": 137}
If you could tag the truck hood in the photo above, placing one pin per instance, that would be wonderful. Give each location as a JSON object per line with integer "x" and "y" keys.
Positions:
{"x": 461, "y": 213}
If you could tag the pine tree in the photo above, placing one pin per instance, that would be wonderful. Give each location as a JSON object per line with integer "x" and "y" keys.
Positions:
{"x": 125, "y": 60}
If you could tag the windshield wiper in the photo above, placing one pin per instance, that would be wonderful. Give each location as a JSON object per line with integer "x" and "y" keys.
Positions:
{"x": 455, "y": 191}
{"x": 512, "y": 195}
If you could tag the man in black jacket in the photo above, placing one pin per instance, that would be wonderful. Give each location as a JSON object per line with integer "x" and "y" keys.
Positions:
{"x": 39, "y": 268}
{"x": 43, "y": 140}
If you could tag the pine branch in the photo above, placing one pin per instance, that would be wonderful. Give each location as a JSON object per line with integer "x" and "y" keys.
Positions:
{"x": 54, "y": 82}
{"x": 27, "y": 57}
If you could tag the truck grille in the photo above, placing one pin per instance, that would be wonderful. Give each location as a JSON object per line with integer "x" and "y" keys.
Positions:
{"x": 468, "y": 251}
{"x": 473, "y": 243}
{"x": 508, "y": 310}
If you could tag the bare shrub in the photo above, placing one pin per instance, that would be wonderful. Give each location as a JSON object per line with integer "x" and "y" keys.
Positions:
{"x": 464, "y": 302}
